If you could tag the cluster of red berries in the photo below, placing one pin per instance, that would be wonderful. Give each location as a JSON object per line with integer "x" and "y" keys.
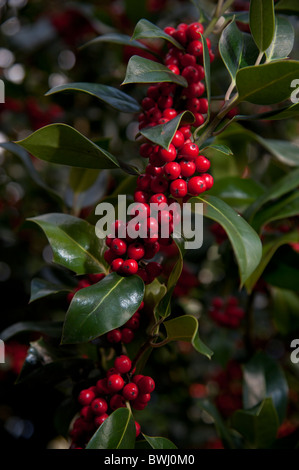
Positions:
{"x": 126, "y": 333}
{"x": 173, "y": 174}
{"x": 110, "y": 393}
{"x": 229, "y": 381}
{"x": 85, "y": 282}
{"x": 226, "y": 313}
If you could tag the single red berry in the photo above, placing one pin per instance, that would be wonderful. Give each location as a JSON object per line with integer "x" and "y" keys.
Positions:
{"x": 209, "y": 180}
{"x": 169, "y": 113}
{"x": 178, "y": 139}
{"x": 196, "y": 185}
{"x": 188, "y": 168}
{"x": 136, "y": 378}
{"x": 145, "y": 150}
{"x": 199, "y": 120}
{"x": 165, "y": 102}
{"x": 130, "y": 391}
{"x": 136, "y": 251}
{"x": 138, "y": 428}
{"x": 137, "y": 405}
{"x": 111, "y": 371}
{"x": 174, "y": 69}
{"x": 146, "y": 385}
{"x": 188, "y": 59}
{"x": 181, "y": 36}
{"x": 194, "y": 31}
{"x": 190, "y": 73}
{"x": 86, "y": 413}
{"x": 116, "y": 264}
{"x": 144, "y": 182}
{"x": 144, "y": 397}
{"x": 158, "y": 198}
{"x": 159, "y": 184}
{"x": 178, "y": 188}
{"x": 140, "y": 196}
{"x": 169, "y": 30}
{"x": 172, "y": 170}
{"x": 168, "y": 155}
{"x": 127, "y": 335}
{"x": 195, "y": 48}
{"x": 202, "y": 163}
{"x": 99, "y": 406}
{"x": 85, "y": 397}
{"x": 123, "y": 364}
{"x": 100, "y": 419}
{"x": 204, "y": 105}
{"x": 141, "y": 273}
{"x": 189, "y": 151}
{"x": 101, "y": 387}
{"x": 185, "y": 130}
{"x": 114, "y": 336}
{"x": 115, "y": 383}
{"x": 133, "y": 323}
{"x": 130, "y": 266}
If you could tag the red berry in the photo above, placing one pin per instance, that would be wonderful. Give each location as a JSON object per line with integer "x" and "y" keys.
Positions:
{"x": 144, "y": 182}
{"x": 101, "y": 387}
{"x": 188, "y": 59}
{"x": 202, "y": 163}
{"x": 137, "y": 377}
{"x": 196, "y": 185}
{"x": 159, "y": 184}
{"x": 172, "y": 170}
{"x": 86, "y": 413}
{"x": 165, "y": 102}
{"x": 178, "y": 188}
{"x": 114, "y": 336}
{"x": 130, "y": 391}
{"x": 199, "y": 120}
{"x": 204, "y": 105}
{"x": 158, "y": 198}
{"x": 130, "y": 266}
{"x": 194, "y": 31}
{"x": 174, "y": 69}
{"x": 138, "y": 428}
{"x": 140, "y": 196}
{"x": 178, "y": 139}
{"x": 127, "y": 335}
{"x": 189, "y": 151}
{"x": 123, "y": 364}
{"x": 115, "y": 383}
{"x": 191, "y": 74}
{"x": 208, "y": 180}
{"x": 187, "y": 168}
{"x": 99, "y": 405}
{"x": 136, "y": 251}
{"x": 116, "y": 264}
{"x": 133, "y": 323}
{"x": 168, "y": 155}
{"x": 195, "y": 48}
{"x": 86, "y": 397}
{"x": 169, "y": 113}
{"x": 146, "y": 385}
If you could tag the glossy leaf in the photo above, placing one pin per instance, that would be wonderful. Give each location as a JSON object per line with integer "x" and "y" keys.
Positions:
{"x": 42, "y": 288}
{"x": 117, "y": 432}
{"x": 245, "y": 241}
{"x": 284, "y": 151}
{"x": 108, "y": 94}
{"x": 262, "y": 22}
{"x": 102, "y": 307}
{"x": 250, "y": 51}
{"x": 283, "y": 40}
{"x": 216, "y": 148}
{"x": 73, "y": 242}
{"x": 159, "y": 442}
{"x": 121, "y": 39}
{"x": 162, "y": 134}
{"x": 141, "y": 70}
{"x": 64, "y": 145}
{"x": 259, "y": 426}
{"x": 269, "y": 249}
{"x": 264, "y": 378}
{"x": 231, "y": 47}
{"x": 267, "y": 83}
{"x": 144, "y": 29}
{"x": 185, "y": 328}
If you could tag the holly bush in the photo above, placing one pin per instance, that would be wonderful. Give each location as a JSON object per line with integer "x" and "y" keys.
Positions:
{"x": 162, "y": 115}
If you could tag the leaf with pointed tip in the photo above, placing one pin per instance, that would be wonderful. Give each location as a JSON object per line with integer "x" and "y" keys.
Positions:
{"x": 245, "y": 241}
{"x": 163, "y": 133}
{"x": 64, "y": 145}
{"x": 118, "y": 431}
{"x": 159, "y": 442}
{"x": 73, "y": 242}
{"x": 258, "y": 426}
{"x": 42, "y": 288}
{"x": 144, "y": 29}
{"x": 262, "y": 22}
{"x": 102, "y": 307}
{"x": 185, "y": 328}
{"x": 108, "y": 94}
{"x": 141, "y": 70}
